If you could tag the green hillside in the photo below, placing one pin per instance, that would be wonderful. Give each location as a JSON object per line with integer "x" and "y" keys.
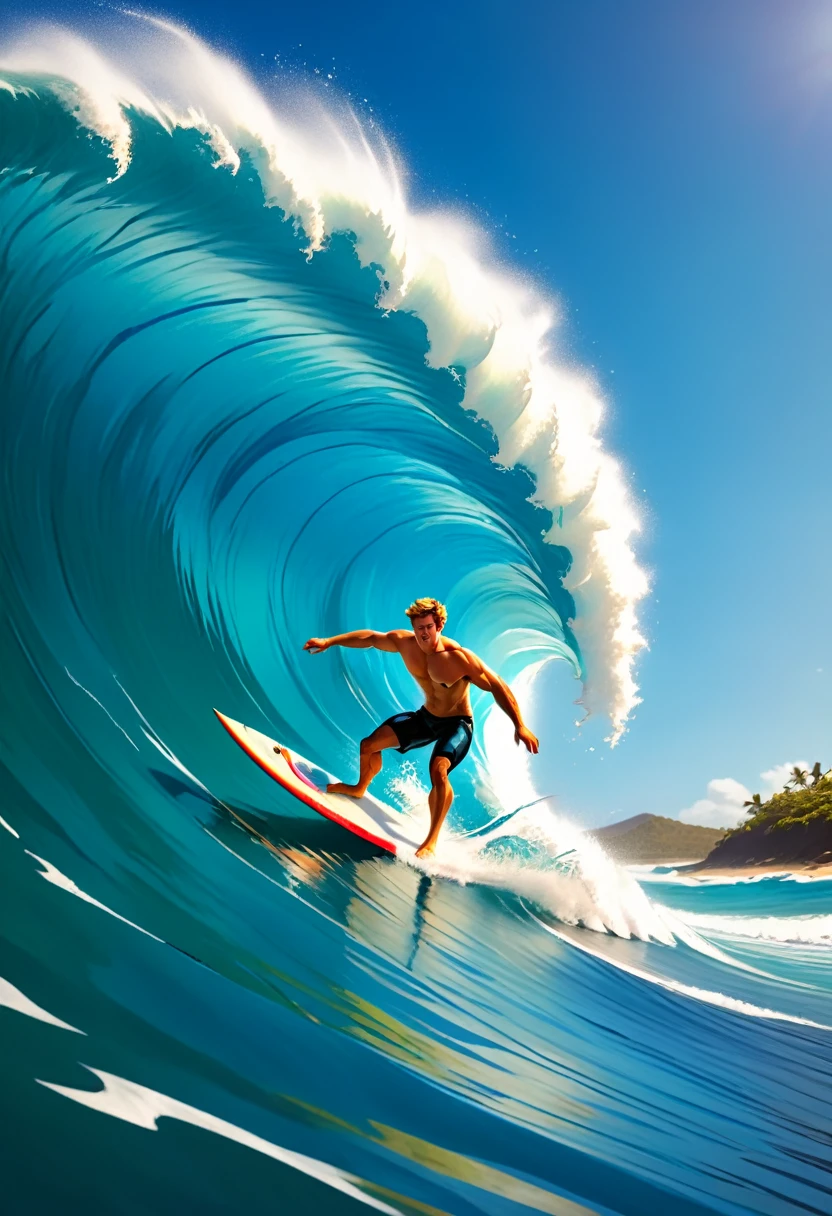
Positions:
{"x": 789, "y": 808}
{"x": 647, "y": 839}
{"x": 794, "y": 825}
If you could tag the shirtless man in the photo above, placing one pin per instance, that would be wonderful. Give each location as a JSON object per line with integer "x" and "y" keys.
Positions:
{"x": 443, "y": 670}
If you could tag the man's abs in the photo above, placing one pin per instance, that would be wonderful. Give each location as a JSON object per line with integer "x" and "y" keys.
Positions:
{"x": 446, "y": 702}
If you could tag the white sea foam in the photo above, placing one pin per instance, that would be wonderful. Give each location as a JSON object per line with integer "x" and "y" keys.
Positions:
{"x": 521, "y": 855}
{"x": 701, "y": 879}
{"x": 705, "y": 995}
{"x": 13, "y": 998}
{"x": 683, "y": 931}
{"x": 321, "y": 166}
{"x": 804, "y": 930}
{"x": 54, "y": 876}
{"x": 135, "y": 1103}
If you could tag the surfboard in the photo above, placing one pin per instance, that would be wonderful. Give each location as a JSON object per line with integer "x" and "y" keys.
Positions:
{"x": 366, "y": 817}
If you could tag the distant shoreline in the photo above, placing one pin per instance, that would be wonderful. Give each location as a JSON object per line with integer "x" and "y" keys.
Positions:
{"x": 790, "y": 834}
{"x": 822, "y": 870}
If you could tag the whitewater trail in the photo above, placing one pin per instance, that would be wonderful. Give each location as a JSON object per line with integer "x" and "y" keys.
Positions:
{"x": 536, "y": 853}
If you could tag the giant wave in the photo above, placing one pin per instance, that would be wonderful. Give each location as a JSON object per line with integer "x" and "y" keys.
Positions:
{"x": 256, "y": 372}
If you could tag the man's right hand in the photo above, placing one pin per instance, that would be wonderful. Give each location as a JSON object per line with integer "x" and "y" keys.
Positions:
{"x": 317, "y": 645}
{"x": 524, "y": 735}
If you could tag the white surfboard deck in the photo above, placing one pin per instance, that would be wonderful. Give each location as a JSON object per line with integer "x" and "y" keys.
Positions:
{"x": 366, "y": 817}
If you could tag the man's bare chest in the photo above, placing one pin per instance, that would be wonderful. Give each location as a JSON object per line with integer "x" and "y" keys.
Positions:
{"x": 446, "y": 668}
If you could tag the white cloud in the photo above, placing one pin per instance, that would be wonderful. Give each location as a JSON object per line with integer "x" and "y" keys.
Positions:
{"x": 774, "y": 779}
{"x": 723, "y": 806}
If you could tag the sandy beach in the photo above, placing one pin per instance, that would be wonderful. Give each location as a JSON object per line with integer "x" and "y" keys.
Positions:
{"x": 810, "y": 869}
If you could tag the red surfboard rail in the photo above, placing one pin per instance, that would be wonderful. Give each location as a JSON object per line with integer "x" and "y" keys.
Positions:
{"x": 278, "y": 762}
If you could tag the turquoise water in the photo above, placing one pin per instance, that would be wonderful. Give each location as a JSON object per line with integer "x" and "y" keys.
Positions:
{"x": 214, "y": 446}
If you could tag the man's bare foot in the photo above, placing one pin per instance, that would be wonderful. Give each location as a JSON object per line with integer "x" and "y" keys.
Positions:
{"x": 427, "y": 849}
{"x": 352, "y": 791}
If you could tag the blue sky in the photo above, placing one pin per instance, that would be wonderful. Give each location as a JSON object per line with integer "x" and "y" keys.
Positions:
{"x": 670, "y": 164}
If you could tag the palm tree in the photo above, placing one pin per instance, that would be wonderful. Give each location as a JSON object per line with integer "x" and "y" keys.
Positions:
{"x": 798, "y": 778}
{"x": 754, "y": 805}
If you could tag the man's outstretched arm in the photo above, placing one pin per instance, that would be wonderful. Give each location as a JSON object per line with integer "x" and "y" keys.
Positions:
{"x": 483, "y": 677}
{"x": 359, "y": 639}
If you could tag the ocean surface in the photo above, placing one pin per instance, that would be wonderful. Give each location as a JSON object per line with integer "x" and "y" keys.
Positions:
{"x": 244, "y": 402}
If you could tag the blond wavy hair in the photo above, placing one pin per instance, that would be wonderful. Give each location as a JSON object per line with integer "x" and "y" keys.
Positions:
{"x": 427, "y": 605}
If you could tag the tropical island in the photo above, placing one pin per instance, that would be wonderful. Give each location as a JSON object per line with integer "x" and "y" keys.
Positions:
{"x": 790, "y": 830}
{"x": 793, "y": 828}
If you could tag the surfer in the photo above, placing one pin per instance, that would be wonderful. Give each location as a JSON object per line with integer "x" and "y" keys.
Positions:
{"x": 443, "y": 670}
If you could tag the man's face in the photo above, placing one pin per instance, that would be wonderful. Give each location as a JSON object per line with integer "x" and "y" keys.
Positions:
{"x": 427, "y": 635}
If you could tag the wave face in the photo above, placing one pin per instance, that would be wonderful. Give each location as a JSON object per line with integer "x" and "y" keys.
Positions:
{"x": 248, "y": 396}
{"x": 235, "y": 447}
{"x": 228, "y": 254}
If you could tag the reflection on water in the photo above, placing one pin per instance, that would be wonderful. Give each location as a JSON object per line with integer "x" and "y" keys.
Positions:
{"x": 441, "y": 1037}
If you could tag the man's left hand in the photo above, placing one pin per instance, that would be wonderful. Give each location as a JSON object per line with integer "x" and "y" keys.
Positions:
{"x": 524, "y": 735}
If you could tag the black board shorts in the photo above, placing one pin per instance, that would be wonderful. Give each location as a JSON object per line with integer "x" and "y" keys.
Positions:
{"x": 418, "y": 728}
